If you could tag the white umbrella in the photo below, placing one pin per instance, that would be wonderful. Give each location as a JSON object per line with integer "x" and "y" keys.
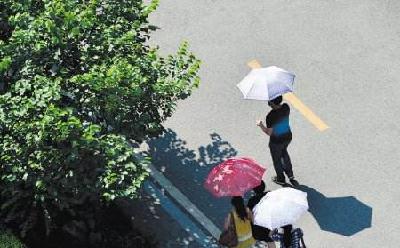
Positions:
{"x": 266, "y": 83}
{"x": 280, "y": 207}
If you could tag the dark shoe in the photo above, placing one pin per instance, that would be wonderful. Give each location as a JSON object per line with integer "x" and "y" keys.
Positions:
{"x": 294, "y": 182}
{"x": 280, "y": 182}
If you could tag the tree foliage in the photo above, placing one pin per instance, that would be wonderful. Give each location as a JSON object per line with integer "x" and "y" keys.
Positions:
{"x": 7, "y": 240}
{"x": 78, "y": 83}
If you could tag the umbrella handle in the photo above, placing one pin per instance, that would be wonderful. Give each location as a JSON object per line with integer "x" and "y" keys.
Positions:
{"x": 302, "y": 243}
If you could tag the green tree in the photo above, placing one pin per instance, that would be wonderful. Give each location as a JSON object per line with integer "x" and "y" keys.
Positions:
{"x": 8, "y": 240}
{"x": 79, "y": 83}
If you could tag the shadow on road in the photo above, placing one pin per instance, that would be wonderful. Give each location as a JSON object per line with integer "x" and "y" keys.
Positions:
{"x": 342, "y": 215}
{"x": 187, "y": 169}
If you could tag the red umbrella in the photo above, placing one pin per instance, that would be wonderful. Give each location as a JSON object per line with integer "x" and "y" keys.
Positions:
{"x": 234, "y": 177}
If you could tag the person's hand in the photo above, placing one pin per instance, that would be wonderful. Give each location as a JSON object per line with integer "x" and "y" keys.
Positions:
{"x": 259, "y": 123}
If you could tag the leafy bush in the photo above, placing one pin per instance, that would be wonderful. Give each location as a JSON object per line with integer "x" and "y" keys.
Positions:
{"x": 9, "y": 241}
{"x": 78, "y": 84}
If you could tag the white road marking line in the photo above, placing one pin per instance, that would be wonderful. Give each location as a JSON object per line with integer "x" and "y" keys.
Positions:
{"x": 186, "y": 223}
{"x": 185, "y": 202}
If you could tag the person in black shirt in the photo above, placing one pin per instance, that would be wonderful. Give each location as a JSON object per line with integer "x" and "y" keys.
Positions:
{"x": 278, "y": 129}
{"x": 260, "y": 233}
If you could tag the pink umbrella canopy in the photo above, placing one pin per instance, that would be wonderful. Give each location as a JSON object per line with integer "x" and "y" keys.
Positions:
{"x": 234, "y": 177}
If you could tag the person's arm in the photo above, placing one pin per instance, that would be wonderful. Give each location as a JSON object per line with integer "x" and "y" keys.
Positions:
{"x": 271, "y": 245}
{"x": 287, "y": 107}
{"x": 265, "y": 129}
{"x": 227, "y": 221}
{"x": 250, "y": 215}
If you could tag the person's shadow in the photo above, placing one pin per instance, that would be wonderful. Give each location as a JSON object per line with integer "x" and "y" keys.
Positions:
{"x": 342, "y": 215}
{"x": 187, "y": 169}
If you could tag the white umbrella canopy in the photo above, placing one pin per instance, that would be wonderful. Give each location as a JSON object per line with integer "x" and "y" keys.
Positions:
{"x": 280, "y": 207}
{"x": 266, "y": 83}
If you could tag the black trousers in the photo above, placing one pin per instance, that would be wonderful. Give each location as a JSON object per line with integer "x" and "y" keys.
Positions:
{"x": 281, "y": 159}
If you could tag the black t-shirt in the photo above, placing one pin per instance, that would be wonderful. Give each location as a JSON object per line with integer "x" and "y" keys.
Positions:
{"x": 278, "y": 119}
{"x": 259, "y": 232}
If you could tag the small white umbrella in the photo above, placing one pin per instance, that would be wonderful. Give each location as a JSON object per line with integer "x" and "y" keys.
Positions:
{"x": 266, "y": 83}
{"x": 280, "y": 207}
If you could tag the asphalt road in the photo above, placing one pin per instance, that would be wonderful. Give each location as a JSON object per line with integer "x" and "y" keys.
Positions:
{"x": 346, "y": 56}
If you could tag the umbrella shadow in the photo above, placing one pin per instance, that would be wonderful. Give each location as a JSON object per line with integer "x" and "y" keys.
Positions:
{"x": 341, "y": 215}
{"x": 187, "y": 169}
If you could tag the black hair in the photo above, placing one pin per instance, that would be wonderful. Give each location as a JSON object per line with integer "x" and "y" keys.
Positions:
{"x": 260, "y": 188}
{"x": 238, "y": 203}
{"x": 276, "y": 100}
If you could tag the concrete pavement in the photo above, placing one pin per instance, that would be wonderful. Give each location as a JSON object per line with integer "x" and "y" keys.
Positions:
{"x": 346, "y": 58}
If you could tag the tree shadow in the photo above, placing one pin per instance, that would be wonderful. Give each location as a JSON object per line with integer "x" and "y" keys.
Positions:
{"x": 187, "y": 169}
{"x": 342, "y": 215}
